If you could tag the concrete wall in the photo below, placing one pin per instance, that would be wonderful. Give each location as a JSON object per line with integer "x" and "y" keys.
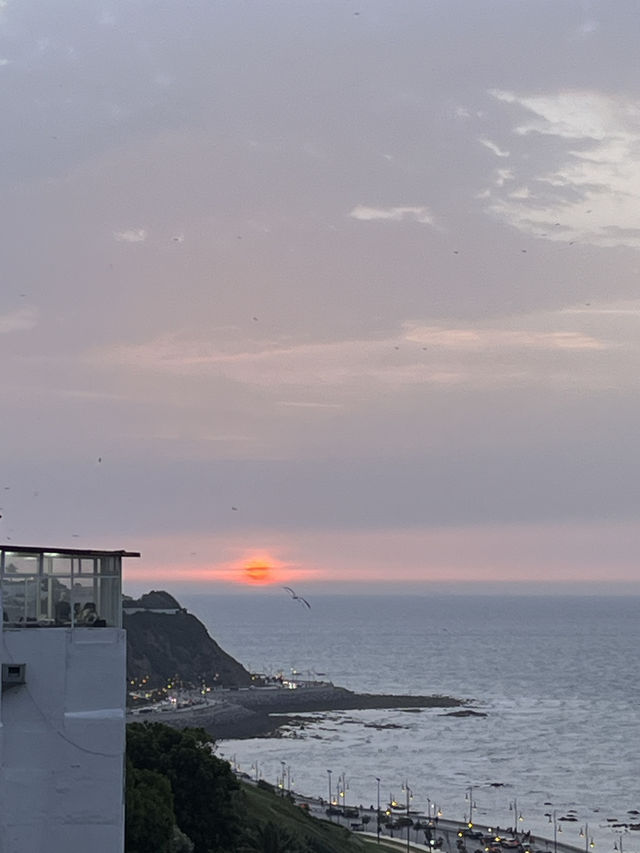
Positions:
{"x": 62, "y": 737}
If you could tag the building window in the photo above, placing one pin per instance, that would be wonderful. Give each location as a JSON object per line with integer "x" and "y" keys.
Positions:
{"x": 50, "y": 589}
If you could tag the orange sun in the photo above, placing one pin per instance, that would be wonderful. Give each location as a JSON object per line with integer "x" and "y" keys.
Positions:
{"x": 258, "y": 572}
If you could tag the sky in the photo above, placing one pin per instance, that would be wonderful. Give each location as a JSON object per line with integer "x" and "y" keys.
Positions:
{"x": 339, "y": 294}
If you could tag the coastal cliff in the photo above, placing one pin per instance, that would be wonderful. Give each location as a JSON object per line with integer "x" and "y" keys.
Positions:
{"x": 165, "y": 644}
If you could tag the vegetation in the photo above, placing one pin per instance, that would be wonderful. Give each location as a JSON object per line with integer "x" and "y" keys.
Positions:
{"x": 180, "y": 798}
{"x": 276, "y": 825}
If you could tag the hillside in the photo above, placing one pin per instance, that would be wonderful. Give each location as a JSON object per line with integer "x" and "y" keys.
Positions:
{"x": 176, "y": 786}
{"x": 168, "y": 646}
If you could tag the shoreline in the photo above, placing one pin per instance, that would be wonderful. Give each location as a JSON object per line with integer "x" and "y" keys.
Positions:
{"x": 249, "y": 713}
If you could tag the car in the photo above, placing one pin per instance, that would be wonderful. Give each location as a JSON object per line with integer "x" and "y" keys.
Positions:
{"x": 469, "y": 832}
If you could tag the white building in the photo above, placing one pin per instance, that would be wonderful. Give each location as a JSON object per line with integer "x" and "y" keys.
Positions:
{"x": 62, "y": 705}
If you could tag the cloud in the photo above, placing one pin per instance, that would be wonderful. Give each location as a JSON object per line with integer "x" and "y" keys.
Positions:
{"x": 18, "y": 321}
{"x": 587, "y": 28}
{"x": 499, "y": 152}
{"x": 132, "y": 235}
{"x": 476, "y": 340}
{"x": 392, "y": 214}
{"x": 563, "y": 347}
{"x": 590, "y": 181}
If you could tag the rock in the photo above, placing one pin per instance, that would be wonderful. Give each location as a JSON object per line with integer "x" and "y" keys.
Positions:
{"x": 170, "y": 646}
{"x": 466, "y": 713}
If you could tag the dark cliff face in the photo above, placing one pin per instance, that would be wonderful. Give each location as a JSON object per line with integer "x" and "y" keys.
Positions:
{"x": 158, "y": 599}
{"x": 165, "y": 646}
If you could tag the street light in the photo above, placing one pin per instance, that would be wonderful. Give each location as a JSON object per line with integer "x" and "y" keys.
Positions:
{"x": 517, "y": 816}
{"x": 330, "y": 803}
{"x": 378, "y": 812}
{"x": 472, "y": 805}
{"x": 588, "y": 842}
{"x": 552, "y": 819}
{"x": 343, "y": 787}
{"x": 619, "y": 833}
{"x": 409, "y": 793}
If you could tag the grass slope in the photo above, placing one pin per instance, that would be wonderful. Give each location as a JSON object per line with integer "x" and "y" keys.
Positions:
{"x": 307, "y": 833}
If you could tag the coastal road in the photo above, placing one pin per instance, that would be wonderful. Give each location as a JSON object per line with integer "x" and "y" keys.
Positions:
{"x": 447, "y": 830}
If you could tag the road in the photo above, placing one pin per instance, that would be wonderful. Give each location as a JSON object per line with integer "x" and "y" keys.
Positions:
{"x": 447, "y": 830}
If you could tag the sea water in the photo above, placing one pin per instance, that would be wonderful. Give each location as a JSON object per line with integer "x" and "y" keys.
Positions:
{"x": 557, "y": 677}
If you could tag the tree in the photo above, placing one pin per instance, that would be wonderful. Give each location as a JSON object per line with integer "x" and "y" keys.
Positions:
{"x": 180, "y": 843}
{"x": 149, "y": 818}
{"x": 205, "y": 792}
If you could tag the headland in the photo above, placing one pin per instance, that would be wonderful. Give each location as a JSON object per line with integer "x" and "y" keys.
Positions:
{"x": 179, "y": 675}
{"x": 261, "y": 711}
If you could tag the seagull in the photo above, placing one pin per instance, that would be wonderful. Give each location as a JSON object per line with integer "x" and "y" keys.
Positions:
{"x": 297, "y": 597}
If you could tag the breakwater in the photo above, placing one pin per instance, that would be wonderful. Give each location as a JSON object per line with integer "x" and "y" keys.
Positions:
{"x": 247, "y": 712}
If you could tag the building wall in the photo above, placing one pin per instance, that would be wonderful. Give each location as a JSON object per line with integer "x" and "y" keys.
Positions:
{"x": 62, "y": 738}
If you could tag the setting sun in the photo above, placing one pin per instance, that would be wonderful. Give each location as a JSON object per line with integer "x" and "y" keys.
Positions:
{"x": 258, "y": 572}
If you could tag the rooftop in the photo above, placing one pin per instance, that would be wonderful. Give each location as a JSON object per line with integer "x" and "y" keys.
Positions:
{"x": 65, "y": 552}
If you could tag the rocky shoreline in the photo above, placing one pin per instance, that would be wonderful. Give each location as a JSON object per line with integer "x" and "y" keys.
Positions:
{"x": 247, "y": 713}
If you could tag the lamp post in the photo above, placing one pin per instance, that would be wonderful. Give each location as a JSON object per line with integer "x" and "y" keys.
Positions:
{"x": 469, "y": 796}
{"x": 517, "y": 816}
{"x": 330, "y": 803}
{"x": 409, "y": 793}
{"x": 378, "y": 812}
{"x": 552, "y": 819}
{"x": 343, "y": 787}
{"x": 588, "y": 842}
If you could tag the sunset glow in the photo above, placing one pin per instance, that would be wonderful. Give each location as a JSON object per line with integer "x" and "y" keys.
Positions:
{"x": 258, "y": 573}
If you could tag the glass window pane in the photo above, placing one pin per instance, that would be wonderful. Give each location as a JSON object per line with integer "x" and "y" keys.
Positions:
{"x": 61, "y": 602}
{"x": 12, "y": 600}
{"x": 21, "y": 600}
{"x": 20, "y": 564}
{"x": 86, "y": 566}
{"x": 84, "y": 604}
{"x": 110, "y": 601}
{"x": 109, "y": 565}
{"x": 56, "y": 565}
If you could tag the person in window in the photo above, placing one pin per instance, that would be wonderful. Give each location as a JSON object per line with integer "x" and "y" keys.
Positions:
{"x": 63, "y": 612}
{"x": 87, "y": 615}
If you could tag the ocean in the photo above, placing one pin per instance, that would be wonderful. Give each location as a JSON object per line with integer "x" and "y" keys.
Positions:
{"x": 557, "y": 677}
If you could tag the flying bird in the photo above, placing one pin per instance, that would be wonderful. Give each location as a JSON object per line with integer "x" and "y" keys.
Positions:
{"x": 297, "y": 597}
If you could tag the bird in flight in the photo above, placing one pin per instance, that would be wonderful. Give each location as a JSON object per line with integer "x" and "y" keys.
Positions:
{"x": 297, "y": 597}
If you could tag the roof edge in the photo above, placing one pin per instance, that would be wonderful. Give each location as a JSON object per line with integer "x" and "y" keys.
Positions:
{"x": 71, "y": 552}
